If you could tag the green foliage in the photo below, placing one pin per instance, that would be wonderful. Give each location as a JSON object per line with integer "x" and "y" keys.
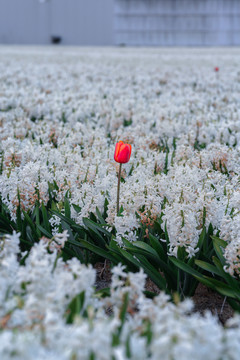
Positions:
{"x": 32, "y": 224}
{"x": 165, "y": 271}
{"x": 75, "y": 307}
{"x": 93, "y": 242}
{"x": 127, "y": 123}
{"x": 219, "y": 280}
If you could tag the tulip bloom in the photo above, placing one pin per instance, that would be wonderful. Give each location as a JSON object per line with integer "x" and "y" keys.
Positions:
{"x": 122, "y": 155}
{"x": 122, "y": 152}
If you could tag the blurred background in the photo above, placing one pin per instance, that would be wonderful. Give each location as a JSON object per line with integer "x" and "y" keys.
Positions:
{"x": 120, "y": 22}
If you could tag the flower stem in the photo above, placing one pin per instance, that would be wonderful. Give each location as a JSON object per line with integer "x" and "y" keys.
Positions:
{"x": 118, "y": 189}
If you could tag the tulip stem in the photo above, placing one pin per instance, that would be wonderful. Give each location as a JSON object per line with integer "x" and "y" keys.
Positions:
{"x": 118, "y": 189}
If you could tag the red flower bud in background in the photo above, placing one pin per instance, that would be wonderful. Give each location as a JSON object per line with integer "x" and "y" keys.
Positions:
{"x": 122, "y": 152}
{"x": 216, "y": 69}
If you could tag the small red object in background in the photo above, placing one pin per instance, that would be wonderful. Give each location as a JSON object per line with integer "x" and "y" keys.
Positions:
{"x": 216, "y": 68}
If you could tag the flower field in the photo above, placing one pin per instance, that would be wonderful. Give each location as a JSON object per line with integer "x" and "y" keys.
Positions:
{"x": 62, "y": 112}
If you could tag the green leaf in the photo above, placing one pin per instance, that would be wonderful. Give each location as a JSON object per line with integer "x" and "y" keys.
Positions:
{"x": 78, "y": 253}
{"x": 95, "y": 249}
{"x": 157, "y": 246}
{"x": 154, "y": 275}
{"x": 219, "y": 286}
{"x": 208, "y": 267}
{"x": 79, "y": 229}
{"x": 65, "y": 226}
{"x": 69, "y": 252}
{"x": 96, "y": 227}
{"x": 201, "y": 240}
{"x": 123, "y": 311}
{"x": 99, "y": 215}
{"x": 36, "y": 213}
{"x": 7, "y": 223}
{"x": 115, "y": 249}
{"x": 54, "y": 207}
{"x": 204, "y": 216}
{"x": 227, "y": 292}
{"x": 46, "y": 223}
{"x": 24, "y": 228}
{"x": 181, "y": 253}
{"x": 19, "y": 219}
{"x": 127, "y": 243}
{"x": 146, "y": 247}
{"x": 219, "y": 266}
{"x": 94, "y": 233}
{"x": 67, "y": 209}
{"x": 148, "y": 268}
{"x": 30, "y": 243}
{"x": 129, "y": 257}
{"x": 166, "y": 233}
{"x": 181, "y": 265}
{"x": 29, "y": 235}
{"x": 62, "y": 217}
{"x": 227, "y": 277}
{"x": 102, "y": 293}
{"x": 219, "y": 241}
{"x": 106, "y": 203}
{"x": 32, "y": 226}
{"x": 77, "y": 208}
{"x": 75, "y": 307}
{"x": 157, "y": 226}
{"x": 139, "y": 251}
{"x": 149, "y": 294}
{"x": 44, "y": 232}
{"x": 234, "y": 304}
{"x": 217, "y": 244}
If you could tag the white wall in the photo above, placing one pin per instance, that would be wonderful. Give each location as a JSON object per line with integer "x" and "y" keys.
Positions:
{"x": 78, "y": 22}
{"x": 83, "y": 22}
{"x": 129, "y": 22}
{"x": 24, "y": 22}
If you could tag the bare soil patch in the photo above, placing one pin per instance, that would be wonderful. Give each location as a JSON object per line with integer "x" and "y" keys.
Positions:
{"x": 204, "y": 298}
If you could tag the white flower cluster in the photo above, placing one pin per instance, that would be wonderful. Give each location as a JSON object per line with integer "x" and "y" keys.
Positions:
{"x": 34, "y": 308}
{"x": 43, "y": 287}
{"x": 63, "y": 110}
{"x": 230, "y": 230}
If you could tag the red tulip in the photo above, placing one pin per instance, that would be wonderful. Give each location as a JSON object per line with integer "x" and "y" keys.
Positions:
{"x": 122, "y": 152}
{"x": 216, "y": 68}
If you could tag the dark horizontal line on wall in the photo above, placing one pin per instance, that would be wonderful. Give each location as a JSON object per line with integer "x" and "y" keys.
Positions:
{"x": 171, "y": 31}
{"x": 127, "y": 14}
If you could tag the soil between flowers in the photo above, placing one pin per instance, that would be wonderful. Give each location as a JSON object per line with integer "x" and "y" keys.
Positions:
{"x": 204, "y": 299}
{"x": 207, "y": 299}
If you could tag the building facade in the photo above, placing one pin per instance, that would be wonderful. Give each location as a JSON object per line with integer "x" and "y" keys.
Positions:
{"x": 177, "y": 22}
{"x": 121, "y": 22}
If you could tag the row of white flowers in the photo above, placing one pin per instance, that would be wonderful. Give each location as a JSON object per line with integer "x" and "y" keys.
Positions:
{"x": 35, "y": 298}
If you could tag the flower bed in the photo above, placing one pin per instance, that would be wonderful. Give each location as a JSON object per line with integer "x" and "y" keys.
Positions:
{"x": 61, "y": 113}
